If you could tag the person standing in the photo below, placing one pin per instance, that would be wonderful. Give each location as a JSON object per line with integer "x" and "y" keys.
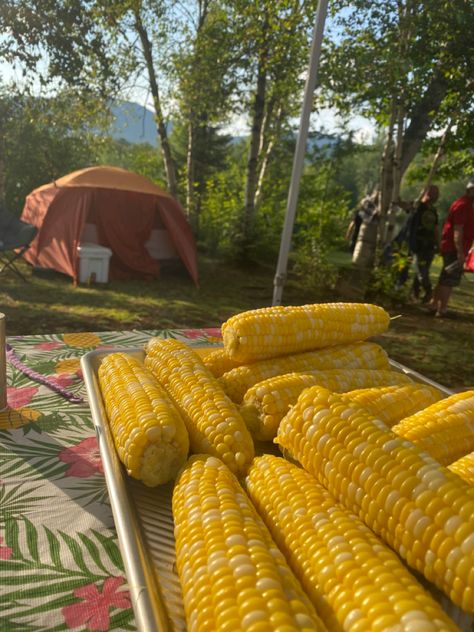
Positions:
{"x": 456, "y": 240}
{"x": 423, "y": 242}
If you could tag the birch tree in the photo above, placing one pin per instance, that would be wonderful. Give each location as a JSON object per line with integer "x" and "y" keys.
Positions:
{"x": 401, "y": 62}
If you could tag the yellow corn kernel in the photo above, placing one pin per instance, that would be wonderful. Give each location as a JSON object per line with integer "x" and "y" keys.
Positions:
{"x": 419, "y": 508}
{"x": 218, "y": 362}
{"x": 275, "y": 331}
{"x": 232, "y": 574}
{"x": 349, "y": 575}
{"x": 266, "y": 403}
{"x": 358, "y": 355}
{"x": 444, "y": 429}
{"x": 390, "y": 404}
{"x": 214, "y": 423}
{"x": 149, "y": 433}
{"x": 464, "y": 467}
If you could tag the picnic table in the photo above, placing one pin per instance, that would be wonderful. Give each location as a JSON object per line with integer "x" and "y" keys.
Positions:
{"x": 60, "y": 562}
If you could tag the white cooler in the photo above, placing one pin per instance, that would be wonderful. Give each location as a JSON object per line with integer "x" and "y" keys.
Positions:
{"x": 93, "y": 263}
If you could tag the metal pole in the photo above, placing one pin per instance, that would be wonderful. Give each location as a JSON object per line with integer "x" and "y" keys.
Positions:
{"x": 3, "y": 365}
{"x": 298, "y": 160}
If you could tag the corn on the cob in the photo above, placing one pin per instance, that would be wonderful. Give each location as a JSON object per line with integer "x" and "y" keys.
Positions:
{"x": 354, "y": 581}
{"x": 214, "y": 423}
{"x": 232, "y": 574}
{"x": 421, "y": 509}
{"x": 274, "y": 331}
{"x": 218, "y": 362}
{"x": 444, "y": 429}
{"x": 390, "y": 404}
{"x": 266, "y": 403}
{"x": 464, "y": 467}
{"x": 359, "y": 355}
{"x": 149, "y": 433}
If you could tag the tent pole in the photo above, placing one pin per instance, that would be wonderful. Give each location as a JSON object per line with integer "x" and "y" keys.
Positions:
{"x": 298, "y": 160}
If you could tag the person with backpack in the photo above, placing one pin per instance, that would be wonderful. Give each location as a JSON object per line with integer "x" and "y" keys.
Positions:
{"x": 423, "y": 242}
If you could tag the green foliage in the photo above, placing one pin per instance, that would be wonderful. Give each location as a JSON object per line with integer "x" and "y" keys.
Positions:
{"x": 220, "y": 214}
{"x": 45, "y": 139}
{"x": 141, "y": 158}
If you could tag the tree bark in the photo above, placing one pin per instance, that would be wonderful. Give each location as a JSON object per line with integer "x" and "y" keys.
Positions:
{"x": 170, "y": 169}
{"x": 253, "y": 156}
{"x": 421, "y": 118}
{"x": 439, "y": 154}
{"x": 267, "y": 155}
{"x": 386, "y": 173}
{"x": 191, "y": 211}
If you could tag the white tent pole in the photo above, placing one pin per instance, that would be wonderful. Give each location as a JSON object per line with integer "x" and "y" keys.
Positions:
{"x": 298, "y": 160}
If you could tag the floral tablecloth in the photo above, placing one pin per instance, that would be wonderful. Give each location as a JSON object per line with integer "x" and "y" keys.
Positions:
{"x": 60, "y": 564}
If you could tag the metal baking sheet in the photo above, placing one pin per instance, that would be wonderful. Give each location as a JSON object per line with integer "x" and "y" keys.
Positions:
{"x": 144, "y": 520}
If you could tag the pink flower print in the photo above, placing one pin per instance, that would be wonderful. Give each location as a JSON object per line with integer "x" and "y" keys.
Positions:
{"x": 193, "y": 333}
{"x": 213, "y": 332}
{"x": 48, "y": 346}
{"x": 5, "y": 551}
{"x": 64, "y": 379}
{"x": 84, "y": 458}
{"x": 19, "y": 397}
{"x": 94, "y": 609}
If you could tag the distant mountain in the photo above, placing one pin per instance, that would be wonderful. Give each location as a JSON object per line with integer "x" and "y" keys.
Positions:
{"x": 133, "y": 123}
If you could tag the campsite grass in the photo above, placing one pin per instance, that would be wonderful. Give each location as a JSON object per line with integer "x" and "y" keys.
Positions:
{"x": 439, "y": 349}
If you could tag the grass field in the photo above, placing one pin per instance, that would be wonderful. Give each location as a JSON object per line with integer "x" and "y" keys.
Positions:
{"x": 440, "y": 349}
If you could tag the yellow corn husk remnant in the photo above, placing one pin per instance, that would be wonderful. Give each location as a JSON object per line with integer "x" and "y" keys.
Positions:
{"x": 281, "y": 330}
{"x": 421, "y": 509}
{"x": 266, "y": 403}
{"x": 214, "y": 423}
{"x": 358, "y": 355}
{"x": 149, "y": 433}
{"x": 464, "y": 467}
{"x": 232, "y": 574}
{"x": 390, "y": 404}
{"x": 445, "y": 429}
{"x": 354, "y": 581}
{"x": 218, "y": 362}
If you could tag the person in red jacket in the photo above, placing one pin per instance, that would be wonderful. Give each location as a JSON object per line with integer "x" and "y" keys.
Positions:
{"x": 456, "y": 240}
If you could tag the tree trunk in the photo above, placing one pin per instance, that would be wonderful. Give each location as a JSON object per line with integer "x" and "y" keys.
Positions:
{"x": 170, "y": 170}
{"x": 253, "y": 156}
{"x": 397, "y": 154}
{"x": 421, "y": 118}
{"x": 439, "y": 154}
{"x": 2, "y": 168}
{"x": 267, "y": 155}
{"x": 191, "y": 211}
{"x": 386, "y": 174}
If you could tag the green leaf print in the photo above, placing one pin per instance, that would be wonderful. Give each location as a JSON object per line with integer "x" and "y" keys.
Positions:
{"x": 16, "y": 500}
{"x": 41, "y": 581}
{"x": 54, "y": 548}
{"x": 111, "y": 548}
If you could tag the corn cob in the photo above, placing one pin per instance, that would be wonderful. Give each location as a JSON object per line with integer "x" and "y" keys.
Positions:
{"x": 444, "y": 429}
{"x": 275, "y": 331}
{"x": 218, "y": 362}
{"x": 390, "y": 404}
{"x": 149, "y": 433}
{"x": 421, "y": 509}
{"x": 354, "y": 581}
{"x": 232, "y": 574}
{"x": 359, "y": 355}
{"x": 214, "y": 423}
{"x": 464, "y": 467}
{"x": 266, "y": 403}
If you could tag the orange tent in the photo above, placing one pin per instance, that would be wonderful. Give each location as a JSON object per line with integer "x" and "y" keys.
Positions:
{"x": 114, "y": 208}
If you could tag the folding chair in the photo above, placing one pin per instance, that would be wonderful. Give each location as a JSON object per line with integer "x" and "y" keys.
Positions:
{"x": 15, "y": 238}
